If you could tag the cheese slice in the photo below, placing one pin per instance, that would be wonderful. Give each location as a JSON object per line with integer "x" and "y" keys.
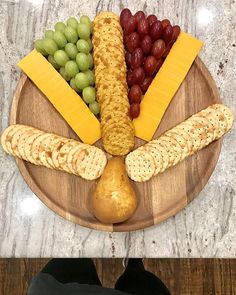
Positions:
{"x": 67, "y": 102}
{"x": 165, "y": 85}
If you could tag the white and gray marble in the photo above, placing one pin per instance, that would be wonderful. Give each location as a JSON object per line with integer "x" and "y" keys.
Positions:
{"x": 206, "y": 228}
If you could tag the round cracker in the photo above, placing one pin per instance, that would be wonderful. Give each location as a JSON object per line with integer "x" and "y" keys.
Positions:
{"x": 7, "y": 135}
{"x": 63, "y": 154}
{"x": 23, "y": 142}
{"x": 15, "y": 139}
{"x": 228, "y": 114}
{"x": 140, "y": 165}
{"x": 92, "y": 165}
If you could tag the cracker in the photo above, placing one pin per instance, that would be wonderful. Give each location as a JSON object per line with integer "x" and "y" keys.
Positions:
{"x": 22, "y": 143}
{"x": 92, "y": 165}
{"x": 74, "y": 154}
{"x": 46, "y": 148}
{"x": 7, "y": 135}
{"x": 63, "y": 154}
{"x": 140, "y": 165}
{"x": 16, "y": 137}
{"x": 228, "y": 114}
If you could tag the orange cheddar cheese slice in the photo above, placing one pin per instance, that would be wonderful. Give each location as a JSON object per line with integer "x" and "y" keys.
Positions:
{"x": 165, "y": 85}
{"x": 67, "y": 102}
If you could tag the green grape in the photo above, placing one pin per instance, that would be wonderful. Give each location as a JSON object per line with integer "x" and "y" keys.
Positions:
{"x": 94, "y": 107}
{"x": 83, "y": 46}
{"x": 91, "y": 77}
{"x": 71, "y": 50}
{"x": 60, "y": 26}
{"x": 82, "y": 60}
{"x": 53, "y": 62}
{"x": 61, "y": 57}
{"x": 50, "y": 46}
{"x": 84, "y": 19}
{"x": 60, "y": 39}
{"x": 49, "y": 34}
{"x": 89, "y": 94}
{"x": 71, "y": 68}
{"x": 71, "y": 34}
{"x": 90, "y": 44}
{"x": 73, "y": 85}
{"x": 81, "y": 81}
{"x": 90, "y": 57}
{"x": 38, "y": 44}
{"x": 64, "y": 74}
{"x": 84, "y": 31}
{"x": 72, "y": 22}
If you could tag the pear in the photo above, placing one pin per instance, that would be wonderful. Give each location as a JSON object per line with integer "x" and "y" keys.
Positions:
{"x": 114, "y": 199}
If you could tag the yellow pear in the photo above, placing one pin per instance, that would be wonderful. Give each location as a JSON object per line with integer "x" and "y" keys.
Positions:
{"x": 114, "y": 199}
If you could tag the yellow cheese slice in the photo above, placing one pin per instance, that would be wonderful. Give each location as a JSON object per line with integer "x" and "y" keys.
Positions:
{"x": 165, "y": 85}
{"x": 67, "y": 102}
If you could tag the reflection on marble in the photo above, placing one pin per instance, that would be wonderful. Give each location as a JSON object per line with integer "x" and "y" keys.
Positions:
{"x": 206, "y": 228}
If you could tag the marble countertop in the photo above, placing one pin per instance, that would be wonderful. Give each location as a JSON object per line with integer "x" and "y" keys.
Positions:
{"x": 206, "y": 228}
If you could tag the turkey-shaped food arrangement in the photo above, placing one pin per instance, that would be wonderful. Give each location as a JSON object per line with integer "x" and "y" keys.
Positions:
{"x": 116, "y": 124}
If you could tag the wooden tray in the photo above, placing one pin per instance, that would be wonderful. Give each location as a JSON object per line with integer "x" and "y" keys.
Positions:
{"x": 160, "y": 198}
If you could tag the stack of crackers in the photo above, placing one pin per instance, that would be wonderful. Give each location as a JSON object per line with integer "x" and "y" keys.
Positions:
{"x": 112, "y": 90}
{"x": 54, "y": 151}
{"x": 179, "y": 142}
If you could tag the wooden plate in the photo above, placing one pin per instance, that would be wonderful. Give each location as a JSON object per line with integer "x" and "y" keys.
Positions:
{"x": 160, "y": 198}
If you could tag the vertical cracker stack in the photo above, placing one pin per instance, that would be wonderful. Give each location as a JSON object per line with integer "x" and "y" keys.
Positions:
{"x": 112, "y": 90}
{"x": 54, "y": 151}
{"x": 178, "y": 143}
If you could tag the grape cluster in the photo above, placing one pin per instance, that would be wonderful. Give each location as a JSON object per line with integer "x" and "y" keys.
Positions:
{"x": 147, "y": 41}
{"x": 68, "y": 48}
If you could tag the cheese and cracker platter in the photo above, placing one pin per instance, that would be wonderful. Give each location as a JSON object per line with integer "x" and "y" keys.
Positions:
{"x": 116, "y": 123}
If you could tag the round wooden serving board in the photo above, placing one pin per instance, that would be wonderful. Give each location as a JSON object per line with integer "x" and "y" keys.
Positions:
{"x": 160, "y": 198}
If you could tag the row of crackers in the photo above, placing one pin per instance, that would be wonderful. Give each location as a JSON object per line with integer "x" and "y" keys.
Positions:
{"x": 112, "y": 91}
{"x": 54, "y": 151}
{"x": 178, "y": 143}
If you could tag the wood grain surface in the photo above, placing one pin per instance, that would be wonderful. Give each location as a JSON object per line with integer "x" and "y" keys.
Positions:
{"x": 160, "y": 198}
{"x": 181, "y": 276}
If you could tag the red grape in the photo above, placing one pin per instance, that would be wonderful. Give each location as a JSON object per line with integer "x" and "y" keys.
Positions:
{"x": 129, "y": 78}
{"x": 158, "y": 48}
{"x": 146, "y": 82}
{"x": 136, "y": 58}
{"x": 150, "y": 65}
{"x": 143, "y": 27}
{"x": 133, "y": 41}
{"x": 159, "y": 64}
{"x": 124, "y": 16}
{"x": 128, "y": 58}
{"x": 131, "y": 25}
{"x": 134, "y": 110}
{"x": 144, "y": 59}
{"x": 139, "y": 15}
{"x": 176, "y": 32}
{"x": 156, "y": 31}
{"x": 165, "y": 23}
{"x": 168, "y": 48}
{"x": 138, "y": 76}
{"x": 146, "y": 44}
{"x": 135, "y": 94}
{"x": 167, "y": 34}
{"x": 125, "y": 39}
{"x": 151, "y": 19}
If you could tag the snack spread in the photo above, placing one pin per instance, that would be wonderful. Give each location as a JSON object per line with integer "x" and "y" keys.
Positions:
{"x": 110, "y": 74}
{"x": 158, "y": 58}
{"x": 54, "y": 151}
{"x": 178, "y": 143}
